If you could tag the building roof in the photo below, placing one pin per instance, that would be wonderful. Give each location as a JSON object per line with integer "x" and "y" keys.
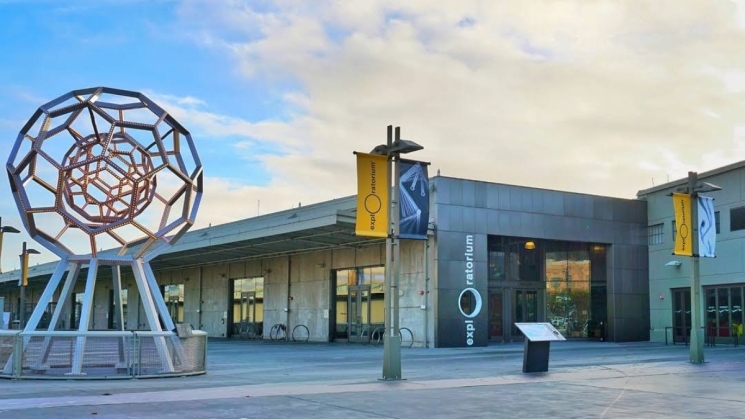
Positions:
{"x": 310, "y": 228}
{"x": 683, "y": 182}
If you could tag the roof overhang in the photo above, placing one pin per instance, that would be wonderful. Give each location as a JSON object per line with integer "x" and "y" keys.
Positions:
{"x": 329, "y": 225}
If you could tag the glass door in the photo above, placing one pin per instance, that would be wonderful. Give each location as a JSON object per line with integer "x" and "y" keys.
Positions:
{"x": 358, "y": 313}
{"x": 248, "y": 307}
{"x": 174, "y": 297}
{"x": 681, "y": 314}
{"x": 525, "y": 309}
{"x": 496, "y": 320}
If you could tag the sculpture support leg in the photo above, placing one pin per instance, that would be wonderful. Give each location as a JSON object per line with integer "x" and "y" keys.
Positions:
{"x": 85, "y": 317}
{"x": 163, "y": 309}
{"x": 116, "y": 279}
{"x": 44, "y": 300}
{"x": 152, "y": 317}
{"x": 46, "y": 296}
{"x": 64, "y": 297}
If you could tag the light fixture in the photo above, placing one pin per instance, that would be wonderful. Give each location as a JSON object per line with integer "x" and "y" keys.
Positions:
{"x": 708, "y": 187}
{"x": 675, "y": 263}
{"x": 529, "y": 245}
{"x": 398, "y": 146}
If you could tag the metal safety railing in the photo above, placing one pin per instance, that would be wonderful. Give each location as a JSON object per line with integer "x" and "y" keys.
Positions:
{"x": 101, "y": 354}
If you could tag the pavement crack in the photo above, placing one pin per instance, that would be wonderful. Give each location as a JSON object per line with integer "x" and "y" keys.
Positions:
{"x": 623, "y": 391}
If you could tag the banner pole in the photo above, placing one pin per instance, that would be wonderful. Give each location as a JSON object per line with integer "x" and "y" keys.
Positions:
{"x": 697, "y": 342}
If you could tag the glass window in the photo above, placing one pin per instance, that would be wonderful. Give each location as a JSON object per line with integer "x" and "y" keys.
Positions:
{"x": 174, "y": 297}
{"x": 497, "y": 269}
{"x": 711, "y": 312}
{"x": 515, "y": 259}
{"x": 346, "y": 278}
{"x": 675, "y": 229}
{"x": 716, "y": 221}
{"x": 124, "y": 296}
{"x": 724, "y": 321}
{"x": 248, "y": 300}
{"x": 568, "y": 275}
{"x": 737, "y": 219}
{"x": 736, "y": 300}
{"x": 467, "y": 302}
{"x": 656, "y": 234}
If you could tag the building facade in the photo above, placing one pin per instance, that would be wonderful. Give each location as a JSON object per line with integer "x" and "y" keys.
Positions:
{"x": 722, "y": 278}
{"x": 496, "y": 255}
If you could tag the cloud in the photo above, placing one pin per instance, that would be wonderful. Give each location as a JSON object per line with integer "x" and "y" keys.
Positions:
{"x": 593, "y": 97}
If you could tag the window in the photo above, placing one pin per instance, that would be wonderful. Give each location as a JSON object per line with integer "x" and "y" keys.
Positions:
{"x": 737, "y": 219}
{"x": 675, "y": 230}
{"x": 656, "y": 234}
{"x": 716, "y": 221}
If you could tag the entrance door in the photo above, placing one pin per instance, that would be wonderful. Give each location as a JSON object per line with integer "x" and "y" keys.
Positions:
{"x": 248, "y": 307}
{"x": 525, "y": 309}
{"x": 358, "y": 313}
{"x": 681, "y": 314}
{"x": 496, "y": 320}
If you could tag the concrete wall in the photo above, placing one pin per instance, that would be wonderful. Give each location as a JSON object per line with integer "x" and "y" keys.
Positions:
{"x": 297, "y": 290}
{"x": 726, "y": 268}
{"x": 481, "y": 209}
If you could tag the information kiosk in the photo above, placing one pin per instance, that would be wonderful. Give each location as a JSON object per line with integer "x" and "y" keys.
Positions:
{"x": 538, "y": 338}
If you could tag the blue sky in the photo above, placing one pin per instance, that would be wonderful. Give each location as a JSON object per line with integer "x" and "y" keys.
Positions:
{"x": 603, "y": 97}
{"x": 52, "y": 47}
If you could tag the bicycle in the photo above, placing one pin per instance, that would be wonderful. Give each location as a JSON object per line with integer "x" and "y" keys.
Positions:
{"x": 278, "y": 332}
{"x": 300, "y": 333}
{"x": 405, "y": 336}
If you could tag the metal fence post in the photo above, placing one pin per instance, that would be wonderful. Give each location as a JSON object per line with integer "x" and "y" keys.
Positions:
{"x": 17, "y": 355}
{"x": 204, "y": 353}
{"x": 138, "y": 355}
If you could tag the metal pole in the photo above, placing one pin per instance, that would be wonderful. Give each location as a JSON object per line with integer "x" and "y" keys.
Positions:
{"x": 425, "y": 303}
{"x": 1, "y": 247}
{"x": 24, "y": 267}
{"x": 391, "y": 343}
{"x": 697, "y": 341}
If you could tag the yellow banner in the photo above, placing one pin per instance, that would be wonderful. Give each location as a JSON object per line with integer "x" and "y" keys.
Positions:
{"x": 682, "y": 206}
{"x": 373, "y": 187}
{"x": 24, "y": 269}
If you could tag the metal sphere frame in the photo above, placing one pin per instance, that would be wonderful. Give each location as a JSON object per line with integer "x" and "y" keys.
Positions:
{"x": 136, "y": 183}
{"x": 108, "y": 177}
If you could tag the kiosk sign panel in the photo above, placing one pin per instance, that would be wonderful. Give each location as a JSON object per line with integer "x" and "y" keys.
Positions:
{"x": 540, "y": 332}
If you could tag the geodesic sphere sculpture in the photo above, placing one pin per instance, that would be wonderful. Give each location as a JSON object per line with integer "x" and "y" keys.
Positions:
{"x": 107, "y": 168}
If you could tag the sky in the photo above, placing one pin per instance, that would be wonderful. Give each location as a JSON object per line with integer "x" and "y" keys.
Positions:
{"x": 601, "y": 97}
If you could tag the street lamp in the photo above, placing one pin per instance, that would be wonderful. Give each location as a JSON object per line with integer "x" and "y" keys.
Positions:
{"x": 697, "y": 342}
{"x": 23, "y": 282}
{"x": 393, "y": 149}
{"x": 3, "y": 230}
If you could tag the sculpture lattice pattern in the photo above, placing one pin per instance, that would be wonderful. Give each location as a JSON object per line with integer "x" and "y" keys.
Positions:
{"x": 107, "y": 163}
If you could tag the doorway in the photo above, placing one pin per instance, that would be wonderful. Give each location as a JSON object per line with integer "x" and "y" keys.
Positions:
{"x": 358, "y": 313}
{"x": 174, "y": 298}
{"x": 77, "y": 308}
{"x": 681, "y": 314}
{"x": 496, "y": 316}
{"x": 524, "y": 309}
{"x": 248, "y": 307}
{"x": 246, "y": 313}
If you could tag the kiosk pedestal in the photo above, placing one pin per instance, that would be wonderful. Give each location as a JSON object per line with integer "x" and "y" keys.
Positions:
{"x": 538, "y": 338}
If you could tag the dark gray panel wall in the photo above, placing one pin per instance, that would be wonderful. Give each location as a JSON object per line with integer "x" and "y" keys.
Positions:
{"x": 462, "y": 268}
{"x": 464, "y": 207}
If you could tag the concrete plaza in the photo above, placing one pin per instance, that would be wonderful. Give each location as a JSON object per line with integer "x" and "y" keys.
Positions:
{"x": 248, "y": 379}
